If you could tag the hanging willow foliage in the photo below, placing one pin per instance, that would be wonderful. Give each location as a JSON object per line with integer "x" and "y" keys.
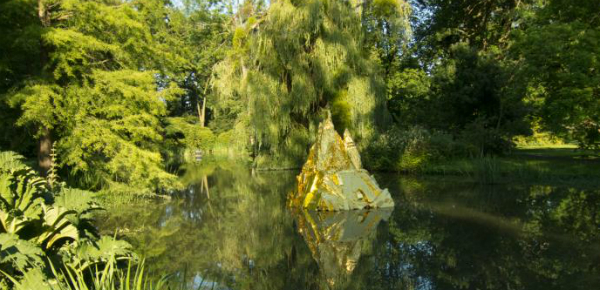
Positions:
{"x": 292, "y": 63}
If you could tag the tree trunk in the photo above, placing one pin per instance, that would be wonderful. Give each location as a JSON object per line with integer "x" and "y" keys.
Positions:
{"x": 45, "y": 143}
{"x": 43, "y": 14}
{"x": 202, "y": 113}
{"x": 44, "y": 151}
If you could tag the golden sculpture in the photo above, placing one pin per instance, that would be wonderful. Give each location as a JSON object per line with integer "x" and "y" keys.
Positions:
{"x": 333, "y": 179}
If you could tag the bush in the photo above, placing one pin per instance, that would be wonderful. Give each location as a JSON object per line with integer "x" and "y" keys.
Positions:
{"x": 409, "y": 150}
{"x": 42, "y": 226}
{"x": 539, "y": 138}
{"x": 229, "y": 144}
{"x": 382, "y": 153}
{"x": 478, "y": 140}
{"x": 191, "y": 135}
{"x": 417, "y": 150}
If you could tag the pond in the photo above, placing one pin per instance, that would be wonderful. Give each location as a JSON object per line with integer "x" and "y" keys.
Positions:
{"x": 232, "y": 230}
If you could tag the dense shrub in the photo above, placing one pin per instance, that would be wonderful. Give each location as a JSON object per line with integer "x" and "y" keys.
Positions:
{"x": 191, "y": 135}
{"x": 479, "y": 140}
{"x": 539, "y": 138}
{"x": 187, "y": 137}
{"x": 44, "y": 227}
{"x": 410, "y": 150}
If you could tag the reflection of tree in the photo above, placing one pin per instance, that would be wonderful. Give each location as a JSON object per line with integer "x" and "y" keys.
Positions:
{"x": 462, "y": 235}
{"x": 442, "y": 235}
{"x": 242, "y": 237}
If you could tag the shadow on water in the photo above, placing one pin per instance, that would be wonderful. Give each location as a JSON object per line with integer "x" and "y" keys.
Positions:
{"x": 232, "y": 230}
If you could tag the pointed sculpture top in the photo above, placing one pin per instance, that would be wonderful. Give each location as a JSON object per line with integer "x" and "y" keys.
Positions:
{"x": 329, "y": 149}
{"x": 352, "y": 150}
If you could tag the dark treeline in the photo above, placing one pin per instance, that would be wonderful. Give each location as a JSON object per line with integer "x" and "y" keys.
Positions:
{"x": 124, "y": 91}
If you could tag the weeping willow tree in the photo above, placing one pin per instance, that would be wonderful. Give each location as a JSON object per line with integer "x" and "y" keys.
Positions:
{"x": 290, "y": 64}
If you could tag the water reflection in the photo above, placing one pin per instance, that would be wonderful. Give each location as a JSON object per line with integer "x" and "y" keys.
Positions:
{"x": 336, "y": 239}
{"x": 442, "y": 234}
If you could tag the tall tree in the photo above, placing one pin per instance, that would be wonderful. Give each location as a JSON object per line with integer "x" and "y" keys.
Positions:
{"x": 99, "y": 90}
{"x": 457, "y": 77}
{"x": 290, "y": 64}
{"x": 481, "y": 24}
{"x": 559, "y": 52}
{"x": 387, "y": 30}
{"x": 203, "y": 32}
{"x": 19, "y": 59}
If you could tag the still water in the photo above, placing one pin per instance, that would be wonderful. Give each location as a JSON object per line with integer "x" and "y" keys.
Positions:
{"x": 232, "y": 230}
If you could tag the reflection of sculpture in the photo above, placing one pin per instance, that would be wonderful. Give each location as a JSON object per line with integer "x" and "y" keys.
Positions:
{"x": 336, "y": 239}
{"x": 333, "y": 178}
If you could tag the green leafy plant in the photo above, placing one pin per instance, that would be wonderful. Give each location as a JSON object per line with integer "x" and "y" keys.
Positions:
{"x": 18, "y": 253}
{"x": 45, "y": 226}
{"x": 21, "y": 192}
{"x": 112, "y": 277}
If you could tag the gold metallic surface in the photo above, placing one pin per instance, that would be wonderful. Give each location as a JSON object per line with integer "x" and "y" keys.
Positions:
{"x": 333, "y": 179}
{"x": 338, "y": 239}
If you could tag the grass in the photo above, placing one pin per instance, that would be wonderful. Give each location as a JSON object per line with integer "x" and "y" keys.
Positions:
{"x": 110, "y": 277}
{"x": 562, "y": 165}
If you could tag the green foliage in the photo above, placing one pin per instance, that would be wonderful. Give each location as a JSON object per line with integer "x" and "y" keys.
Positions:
{"x": 341, "y": 112}
{"x": 387, "y": 30}
{"x": 408, "y": 93}
{"x": 11, "y": 161}
{"x": 411, "y": 150}
{"x": 115, "y": 135}
{"x": 478, "y": 138}
{"x": 495, "y": 61}
{"x": 458, "y": 76}
{"x": 21, "y": 194}
{"x": 98, "y": 89}
{"x": 19, "y": 254}
{"x": 468, "y": 94}
{"x": 200, "y": 34}
{"x": 112, "y": 277}
{"x": 558, "y": 54}
{"x": 118, "y": 84}
{"x": 482, "y": 24}
{"x": 189, "y": 137}
{"x": 19, "y": 43}
{"x": 387, "y": 8}
{"x": 285, "y": 69}
{"x": 540, "y": 139}
{"x": 194, "y": 136}
{"x": 470, "y": 88}
{"x": 43, "y": 225}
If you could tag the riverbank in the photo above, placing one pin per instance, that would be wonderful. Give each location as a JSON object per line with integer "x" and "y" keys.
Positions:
{"x": 559, "y": 165}
{"x": 556, "y": 165}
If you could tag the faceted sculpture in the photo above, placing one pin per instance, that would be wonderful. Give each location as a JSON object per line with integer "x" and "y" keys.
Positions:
{"x": 333, "y": 179}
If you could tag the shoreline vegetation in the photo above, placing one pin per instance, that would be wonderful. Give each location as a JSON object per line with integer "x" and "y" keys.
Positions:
{"x": 547, "y": 165}
{"x": 556, "y": 165}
